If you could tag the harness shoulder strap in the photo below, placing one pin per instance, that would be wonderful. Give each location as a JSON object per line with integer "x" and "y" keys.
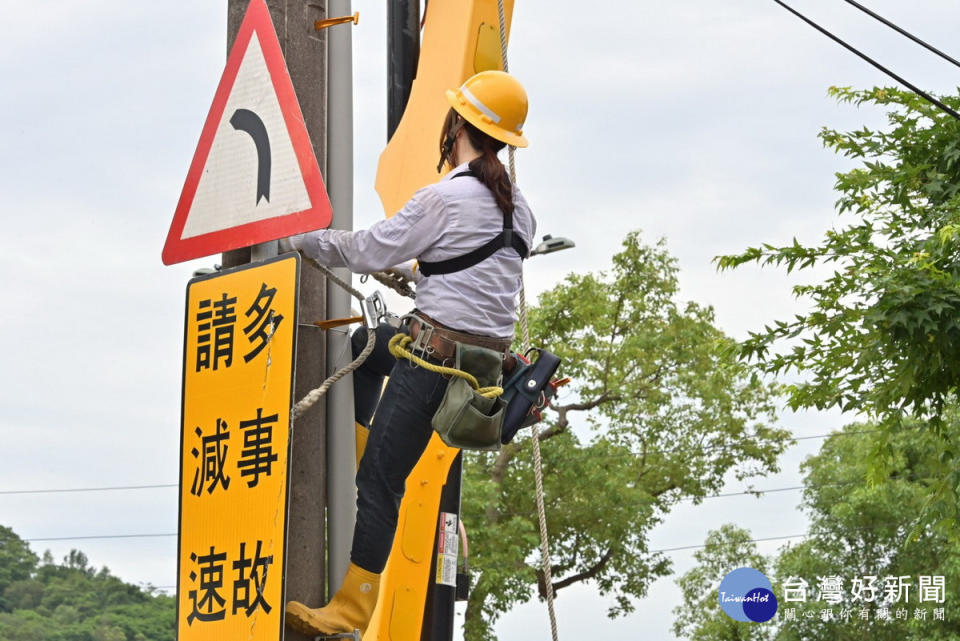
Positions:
{"x": 506, "y": 238}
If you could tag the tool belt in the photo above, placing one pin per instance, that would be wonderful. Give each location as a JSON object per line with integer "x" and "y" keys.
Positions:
{"x": 470, "y": 416}
{"x": 479, "y": 411}
{"x": 440, "y": 342}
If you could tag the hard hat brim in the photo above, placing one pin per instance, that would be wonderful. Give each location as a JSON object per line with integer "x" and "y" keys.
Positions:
{"x": 493, "y": 130}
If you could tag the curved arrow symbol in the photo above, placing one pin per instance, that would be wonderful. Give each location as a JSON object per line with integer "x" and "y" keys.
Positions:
{"x": 246, "y": 120}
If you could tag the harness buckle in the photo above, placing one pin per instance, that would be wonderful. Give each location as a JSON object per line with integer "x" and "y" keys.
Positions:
{"x": 425, "y": 330}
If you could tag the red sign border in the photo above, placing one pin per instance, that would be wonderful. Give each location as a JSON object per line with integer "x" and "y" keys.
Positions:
{"x": 176, "y": 250}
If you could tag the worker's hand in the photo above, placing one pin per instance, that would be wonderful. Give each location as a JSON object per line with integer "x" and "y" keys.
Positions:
{"x": 291, "y": 243}
{"x": 407, "y": 271}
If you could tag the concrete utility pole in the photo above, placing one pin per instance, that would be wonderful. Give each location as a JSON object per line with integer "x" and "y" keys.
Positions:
{"x": 306, "y": 54}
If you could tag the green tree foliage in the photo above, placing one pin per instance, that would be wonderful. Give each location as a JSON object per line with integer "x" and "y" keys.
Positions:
{"x": 17, "y": 562}
{"x": 857, "y": 530}
{"x": 663, "y": 412}
{"x": 882, "y": 336}
{"x": 700, "y": 617}
{"x": 883, "y": 332}
{"x": 72, "y": 601}
{"x": 864, "y": 529}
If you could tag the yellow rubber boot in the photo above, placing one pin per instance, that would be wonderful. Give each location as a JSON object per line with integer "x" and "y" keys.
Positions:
{"x": 363, "y": 433}
{"x": 350, "y": 608}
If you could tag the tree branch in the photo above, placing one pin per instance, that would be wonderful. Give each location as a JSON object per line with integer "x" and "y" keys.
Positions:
{"x": 613, "y": 337}
{"x": 576, "y": 578}
{"x": 663, "y": 490}
{"x": 509, "y": 451}
{"x": 589, "y": 405}
{"x": 497, "y": 472}
{"x": 550, "y": 432}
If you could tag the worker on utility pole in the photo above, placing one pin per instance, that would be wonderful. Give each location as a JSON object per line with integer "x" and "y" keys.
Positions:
{"x": 470, "y": 233}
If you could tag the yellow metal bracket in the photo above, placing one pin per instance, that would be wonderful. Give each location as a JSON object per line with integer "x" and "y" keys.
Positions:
{"x": 329, "y": 22}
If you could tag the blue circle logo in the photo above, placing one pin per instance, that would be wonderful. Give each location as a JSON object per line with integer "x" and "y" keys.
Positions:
{"x": 746, "y": 595}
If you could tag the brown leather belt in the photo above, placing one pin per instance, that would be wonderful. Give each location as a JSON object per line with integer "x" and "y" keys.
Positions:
{"x": 441, "y": 343}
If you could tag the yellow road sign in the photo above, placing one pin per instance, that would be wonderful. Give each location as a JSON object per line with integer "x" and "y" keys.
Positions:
{"x": 239, "y": 345}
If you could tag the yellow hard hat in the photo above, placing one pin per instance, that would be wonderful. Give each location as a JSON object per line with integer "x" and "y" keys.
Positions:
{"x": 495, "y": 103}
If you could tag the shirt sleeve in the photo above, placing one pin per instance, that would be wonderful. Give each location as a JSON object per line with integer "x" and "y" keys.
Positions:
{"x": 522, "y": 202}
{"x": 387, "y": 243}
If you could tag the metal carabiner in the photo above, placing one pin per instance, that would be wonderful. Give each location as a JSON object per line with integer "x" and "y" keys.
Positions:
{"x": 374, "y": 310}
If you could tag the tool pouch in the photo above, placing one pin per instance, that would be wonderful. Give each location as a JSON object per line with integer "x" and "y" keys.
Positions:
{"x": 464, "y": 418}
{"x": 525, "y": 390}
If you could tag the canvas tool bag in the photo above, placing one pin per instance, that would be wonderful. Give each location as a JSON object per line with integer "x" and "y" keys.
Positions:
{"x": 466, "y": 419}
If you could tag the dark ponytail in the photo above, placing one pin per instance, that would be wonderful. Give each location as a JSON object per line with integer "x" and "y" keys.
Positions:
{"x": 487, "y": 167}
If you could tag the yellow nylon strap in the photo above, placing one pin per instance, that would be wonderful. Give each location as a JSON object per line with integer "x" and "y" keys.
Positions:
{"x": 398, "y": 346}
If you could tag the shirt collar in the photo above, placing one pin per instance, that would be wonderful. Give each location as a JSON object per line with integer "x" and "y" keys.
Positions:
{"x": 456, "y": 170}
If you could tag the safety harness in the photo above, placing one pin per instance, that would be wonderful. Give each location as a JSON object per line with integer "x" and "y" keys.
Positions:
{"x": 505, "y": 239}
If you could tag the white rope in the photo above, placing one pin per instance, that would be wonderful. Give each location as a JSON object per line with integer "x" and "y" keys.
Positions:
{"x": 525, "y": 329}
{"x": 395, "y": 282}
{"x": 315, "y": 395}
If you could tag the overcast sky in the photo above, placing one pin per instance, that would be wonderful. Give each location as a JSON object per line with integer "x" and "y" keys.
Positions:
{"x": 695, "y": 121}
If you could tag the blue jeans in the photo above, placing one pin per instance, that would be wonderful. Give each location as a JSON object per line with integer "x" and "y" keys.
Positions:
{"x": 398, "y": 436}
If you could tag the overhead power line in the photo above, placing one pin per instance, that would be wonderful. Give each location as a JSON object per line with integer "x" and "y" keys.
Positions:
{"x": 915, "y": 89}
{"x": 90, "y": 489}
{"x": 904, "y": 32}
{"x": 698, "y": 547}
{"x": 753, "y": 492}
{"x": 712, "y": 496}
{"x": 776, "y": 538}
{"x": 702, "y": 450}
{"x": 165, "y": 534}
{"x": 680, "y": 548}
{"x": 659, "y": 551}
{"x": 100, "y": 536}
{"x": 174, "y": 485}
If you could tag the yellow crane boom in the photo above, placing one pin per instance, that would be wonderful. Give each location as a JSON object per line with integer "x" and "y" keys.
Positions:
{"x": 460, "y": 38}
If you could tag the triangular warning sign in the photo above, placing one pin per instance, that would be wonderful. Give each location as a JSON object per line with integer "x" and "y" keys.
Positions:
{"x": 254, "y": 176}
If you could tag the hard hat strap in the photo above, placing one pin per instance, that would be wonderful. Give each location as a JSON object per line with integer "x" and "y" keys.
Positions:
{"x": 449, "y": 142}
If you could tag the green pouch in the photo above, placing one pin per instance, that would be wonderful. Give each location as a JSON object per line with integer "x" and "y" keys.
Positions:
{"x": 466, "y": 419}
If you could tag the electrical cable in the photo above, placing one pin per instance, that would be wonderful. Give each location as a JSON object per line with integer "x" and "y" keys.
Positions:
{"x": 756, "y": 493}
{"x": 173, "y": 485}
{"x": 90, "y": 489}
{"x": 681, "y": 548}
{"x": 697, "y": 547}
{"x": 904, "y": 32}
{"x": 774, "y": 538}
{"x": 703, "y": 450}
{"x": 100, "y": 536}
{"x": 920, "y": 92}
